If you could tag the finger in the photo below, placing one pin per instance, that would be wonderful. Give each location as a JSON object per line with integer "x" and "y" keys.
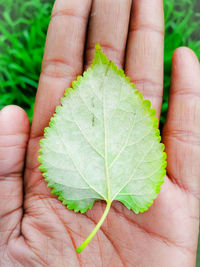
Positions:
{"x": 109, "y": 26}
{"x": 63, "y": 58}
{"x": 63, "y": 61}
{"x": 144, "y": 58}
{"x": 181, "y": 133}
{"x": 14, "y": 132}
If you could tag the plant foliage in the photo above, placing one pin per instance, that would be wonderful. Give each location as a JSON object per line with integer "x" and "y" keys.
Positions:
{"x": 23, "y": 26}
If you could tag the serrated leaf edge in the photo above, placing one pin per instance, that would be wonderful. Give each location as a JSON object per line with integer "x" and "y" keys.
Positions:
{"x": 100, "y": 57}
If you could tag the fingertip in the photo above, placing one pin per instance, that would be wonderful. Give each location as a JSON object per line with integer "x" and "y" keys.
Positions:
{"x": 14, "y": 118}
{"x": 13, "y": 110}
{"x": 185, "y": 69}
{"x": 184, "y": 51}
{"x": 186, "y": 59}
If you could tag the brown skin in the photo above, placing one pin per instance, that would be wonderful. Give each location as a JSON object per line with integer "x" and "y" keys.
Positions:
{"x": 35, "y": 228}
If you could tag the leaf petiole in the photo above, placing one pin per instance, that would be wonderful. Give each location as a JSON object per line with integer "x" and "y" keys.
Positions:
{"x": 92, "y": 234}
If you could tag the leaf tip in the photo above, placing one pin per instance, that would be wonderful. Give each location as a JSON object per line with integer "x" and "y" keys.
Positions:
{"x": 97, "y": 47}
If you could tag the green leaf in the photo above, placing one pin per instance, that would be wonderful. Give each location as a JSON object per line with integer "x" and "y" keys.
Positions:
{"x": 103, "y": 144}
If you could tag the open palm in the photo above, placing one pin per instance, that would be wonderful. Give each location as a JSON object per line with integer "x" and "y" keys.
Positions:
{"x": 35, "y": 228}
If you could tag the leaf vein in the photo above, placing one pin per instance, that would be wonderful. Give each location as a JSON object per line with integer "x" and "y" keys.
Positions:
{"x": 131, "y": 177}
{"x": 76, "y": 167}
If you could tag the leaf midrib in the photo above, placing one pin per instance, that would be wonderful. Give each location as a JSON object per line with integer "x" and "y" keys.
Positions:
{"x": 105, "y": 138}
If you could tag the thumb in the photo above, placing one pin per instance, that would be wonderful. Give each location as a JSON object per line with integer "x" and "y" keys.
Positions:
{"x": 14, "y": 132}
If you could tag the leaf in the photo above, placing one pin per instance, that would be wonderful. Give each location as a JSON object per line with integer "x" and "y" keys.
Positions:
{"x": 103, "y": 144}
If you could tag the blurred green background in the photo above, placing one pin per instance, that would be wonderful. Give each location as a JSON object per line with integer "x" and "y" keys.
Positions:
{"x": 23, "y": 26}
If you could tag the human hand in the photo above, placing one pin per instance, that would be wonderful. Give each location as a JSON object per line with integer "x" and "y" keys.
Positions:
{"x": 36, "y": 229}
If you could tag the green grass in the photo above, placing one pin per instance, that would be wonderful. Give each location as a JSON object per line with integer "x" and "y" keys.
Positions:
{"x": 23, "y": 26}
